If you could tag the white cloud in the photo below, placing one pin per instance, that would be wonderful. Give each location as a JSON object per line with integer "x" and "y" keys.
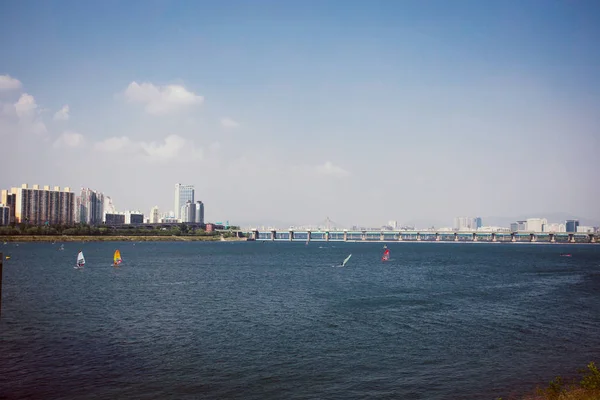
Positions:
{"x": 23, "y": 116}
{"x": 333, "y": 170}
{"x": 168, "y": 149}
{"x": 161, "y": 100}
{"x": 114, "y": 144}
{"x": 25, "y": 107}
{"x": 62, "y": 114}
{"x": 9, "y": 83}
{"x": 229, "y": 123}
{"x": 69, "y": 139}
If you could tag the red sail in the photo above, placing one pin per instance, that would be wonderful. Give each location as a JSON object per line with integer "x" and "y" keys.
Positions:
{"x": 386, "y": 255}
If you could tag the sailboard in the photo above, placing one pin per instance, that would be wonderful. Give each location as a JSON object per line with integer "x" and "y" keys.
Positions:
{"x": 117, "y": 258}
{"x": 386, "y": 255}
{"x": 346, "y": 260}
{"x": 80, "y": 260}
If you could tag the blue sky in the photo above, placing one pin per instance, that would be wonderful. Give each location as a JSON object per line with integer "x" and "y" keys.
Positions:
{"x": 289, "y": 111}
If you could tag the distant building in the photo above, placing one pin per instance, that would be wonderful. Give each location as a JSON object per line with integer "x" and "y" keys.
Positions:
{"x": 478, "y": 222}
{"x": 90, "y": 207}
{"x": 210, "y": 227}
{"x": 134, "y": 217}
{"x": 393, "y": 225}
{"x": 585, "y": 229}
{"x": 555, "y": 228}
{"x": 154, "y": 215}
{"x": 514, "y": 227}
{"x": 4, "y": 215}
{"x": 465, "y": 224}
{"x": 37, "y": 206}
{"x": 183, "y": 194}
{"x": 188, "y": 212}
{"x": 521, "y": 226}
{"x": 536, "y": 224}
{"x": 9, "y": 199}
{"x": 199, "y": 213}
{"x": 114, "y": 218}
{"x": 571, "y": 225}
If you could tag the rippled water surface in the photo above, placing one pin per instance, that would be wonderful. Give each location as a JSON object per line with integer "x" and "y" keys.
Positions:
{"x": 277, "y": 320}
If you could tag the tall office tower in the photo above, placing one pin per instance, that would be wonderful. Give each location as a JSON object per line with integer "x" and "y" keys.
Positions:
{"x": 199, "y": 212}
{"x": 154, "y": 215}
{"x": 571, "y": 225}
{"x": 37, "y": 206}
{"x": 183, "y": 194}
{"x": 90, "y": 207}
{"x": 478, "y": 222}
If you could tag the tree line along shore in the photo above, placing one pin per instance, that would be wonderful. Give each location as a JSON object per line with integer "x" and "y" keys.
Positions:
{"x": 179, "y": 232}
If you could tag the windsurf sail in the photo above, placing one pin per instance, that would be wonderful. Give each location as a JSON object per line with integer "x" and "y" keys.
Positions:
{"x": 117, "y": 258}
{"x": 386, "y": 255}
{"x": 346, "y": 260}
{"x": 80, "y": 259}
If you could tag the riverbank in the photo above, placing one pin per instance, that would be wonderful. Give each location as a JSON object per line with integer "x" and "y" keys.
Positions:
{"x": 115, "y": 238}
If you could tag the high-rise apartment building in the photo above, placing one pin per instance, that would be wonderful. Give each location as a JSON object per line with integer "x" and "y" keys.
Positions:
{"x": 571, "y": 225}
{"x": 465, "y": 224}
{"x": 183, "y": 194}
{"x": 4, "y": 215}
{"x": 154, "y": 215}
{"x": 90, "y": 207}
{"x": 199, "y": 217}
{"x": 37, "y": 206}
{"x": 188, "y": 212}
{"x": 9, "y": 199}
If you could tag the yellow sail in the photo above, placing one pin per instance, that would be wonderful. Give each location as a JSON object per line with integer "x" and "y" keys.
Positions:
{"x": 117, "y": 257}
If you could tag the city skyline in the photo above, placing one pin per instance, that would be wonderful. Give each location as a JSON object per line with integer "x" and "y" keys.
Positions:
{"x": 359, "y": 111}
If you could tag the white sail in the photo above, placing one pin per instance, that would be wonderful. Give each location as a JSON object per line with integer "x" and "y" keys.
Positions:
{"x": 80, "y": 259}
{"x": 346, "y": 260}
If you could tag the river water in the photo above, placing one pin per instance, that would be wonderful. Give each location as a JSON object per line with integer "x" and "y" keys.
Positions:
{"x": 253, "y": 320}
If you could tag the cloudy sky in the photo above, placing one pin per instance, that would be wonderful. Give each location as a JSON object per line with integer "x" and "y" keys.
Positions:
{"x": 363, "y": 111}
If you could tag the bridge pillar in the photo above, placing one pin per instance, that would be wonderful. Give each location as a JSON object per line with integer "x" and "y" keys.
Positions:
{"x": 291, "y": 235}
{"x": 327, "y": 236}
{"x": 418, "y": 236}
{"x": 345, "y": 236}
{"x": 493, "y": 236}
{"x": 552, "y": 238}
{"x": 308, "y": 236}
{"x": 592, "y": 238}
{"x": 532, "y": 237}
{"x": 571, "y": 238}
{"x": 455, "y": 237}
{"x": 474, "y": 237}
{"x": 381, "y": 237}
{"x": 513, "y": 237}
{"x": 399, "y": 236}
{"x": 273, "y": 234}
{"x": 437, "y": 237}
{"x": 363, "y": 235}
{"x": 254, "y": 234}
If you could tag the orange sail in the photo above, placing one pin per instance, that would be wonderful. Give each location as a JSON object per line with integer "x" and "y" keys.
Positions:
{"x": 117, "y": 257}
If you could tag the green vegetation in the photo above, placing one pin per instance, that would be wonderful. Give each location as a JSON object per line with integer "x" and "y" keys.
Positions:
{"x": 587, "y": 387}
{"x": 104, "y": 231}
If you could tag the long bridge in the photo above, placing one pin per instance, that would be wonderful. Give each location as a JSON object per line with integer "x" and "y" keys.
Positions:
{"x": 421, "y": 236}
